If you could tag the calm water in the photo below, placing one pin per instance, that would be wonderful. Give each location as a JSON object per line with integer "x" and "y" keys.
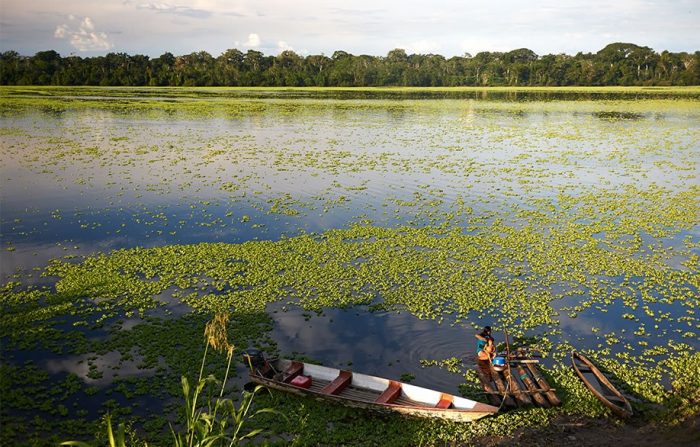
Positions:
{"x": 87, "y": 180}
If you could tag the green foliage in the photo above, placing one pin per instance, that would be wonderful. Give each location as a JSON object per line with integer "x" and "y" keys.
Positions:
{"x": 219, "y": 422}
{"x": 616, "y": 64}
{"x": 684, "y": 399}
{"x": 122, "y": 438}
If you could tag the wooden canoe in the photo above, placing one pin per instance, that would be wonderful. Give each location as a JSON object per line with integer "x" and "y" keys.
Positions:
{"x": 600, "y": 386}
{"x": 368, "y": 392}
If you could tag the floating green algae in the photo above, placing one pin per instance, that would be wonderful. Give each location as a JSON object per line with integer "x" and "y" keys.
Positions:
{"x": 549, "y": 219}
{"x": 431, "y": 272}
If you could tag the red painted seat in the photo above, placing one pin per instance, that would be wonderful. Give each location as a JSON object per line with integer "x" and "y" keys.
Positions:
{"x": 445, "y": 401}
{"x": 338, "y": 384}
{"x": 294, "y": 370}
{"x": 390, "y": 394}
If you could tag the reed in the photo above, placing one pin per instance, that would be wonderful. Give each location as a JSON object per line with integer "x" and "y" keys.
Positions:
{"x": 222, "y": 422}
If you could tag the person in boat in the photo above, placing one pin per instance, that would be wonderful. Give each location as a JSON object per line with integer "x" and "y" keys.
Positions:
{"x": 485, "y": 347}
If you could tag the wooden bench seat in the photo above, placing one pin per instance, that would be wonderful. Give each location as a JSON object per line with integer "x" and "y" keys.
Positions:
{"x": 445, "y": 401}
{"x": 294, "y": 370}
{"x": 390, "y": 394}
{"x": 338, "y": 384}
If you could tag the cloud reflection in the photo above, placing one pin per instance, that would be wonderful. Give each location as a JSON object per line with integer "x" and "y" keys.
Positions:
{"x": 386, "y": 344}
{"x": 80, "y": 366}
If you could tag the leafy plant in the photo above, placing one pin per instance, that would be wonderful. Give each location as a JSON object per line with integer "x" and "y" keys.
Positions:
{"x": 118, "y": 440}
{"x": 219, "y": 422}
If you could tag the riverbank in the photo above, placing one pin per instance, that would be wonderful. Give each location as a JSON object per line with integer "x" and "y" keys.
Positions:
{"x": 585, "y": 432}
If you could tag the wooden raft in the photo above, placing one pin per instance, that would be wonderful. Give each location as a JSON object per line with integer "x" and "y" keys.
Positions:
{"x": 520, "y": 385}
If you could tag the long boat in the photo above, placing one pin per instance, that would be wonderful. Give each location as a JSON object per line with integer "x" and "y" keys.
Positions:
{"x": 600, "y": 386}
{"x": 365, "y": 391}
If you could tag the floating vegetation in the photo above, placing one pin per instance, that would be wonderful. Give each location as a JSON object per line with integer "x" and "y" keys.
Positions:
{"x": 568, "y": 223}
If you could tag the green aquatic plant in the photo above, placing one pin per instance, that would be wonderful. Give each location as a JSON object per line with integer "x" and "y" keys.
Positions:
{"x": 118, "y": 439}
{"x": 550, "y": 219}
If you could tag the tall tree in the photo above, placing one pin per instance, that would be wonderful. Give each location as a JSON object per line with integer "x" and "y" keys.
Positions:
{"x": 228, "y": 68}
{"x": 616, "y": 64}
{"x": 10, "y": 67}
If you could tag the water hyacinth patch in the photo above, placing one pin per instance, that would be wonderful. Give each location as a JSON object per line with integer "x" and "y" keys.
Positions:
{"x": 569, "y": 223}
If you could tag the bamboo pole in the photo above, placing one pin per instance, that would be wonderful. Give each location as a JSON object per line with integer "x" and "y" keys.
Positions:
{"x": 509, "y": 376}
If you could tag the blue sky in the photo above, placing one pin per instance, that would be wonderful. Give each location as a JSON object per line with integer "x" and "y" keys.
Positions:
{"x": 89, "y": 28}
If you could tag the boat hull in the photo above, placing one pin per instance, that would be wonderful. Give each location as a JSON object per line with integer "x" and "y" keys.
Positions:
{"x": 365, "y": 398}
{"x": 583, "y": 366}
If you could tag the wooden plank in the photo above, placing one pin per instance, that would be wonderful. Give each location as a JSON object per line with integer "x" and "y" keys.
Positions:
{"x": 339, "y": 384}
{"x": 544, "y": 385}
{"x": 390, "y": 394}
{"x": 317, "y": 385}
{"x": 360, "y": 394}
{"x": 484, "y": 373}
{"x": 500, "y": 384}
{"x": 530, "y": 385}
{"x": 403, "y": 400}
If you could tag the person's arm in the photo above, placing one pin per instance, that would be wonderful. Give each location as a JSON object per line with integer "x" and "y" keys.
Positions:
{"x": 481, "y": 337}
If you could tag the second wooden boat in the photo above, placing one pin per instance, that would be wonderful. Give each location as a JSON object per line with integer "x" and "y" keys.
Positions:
{"x": 364, "y": 391}
{"x": 600, "y": 386}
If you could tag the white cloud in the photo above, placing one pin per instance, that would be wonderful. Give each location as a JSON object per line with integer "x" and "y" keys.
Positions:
{"x": 61, "y": 32}
{"x": 476, "y": 45}
{"x": 283, "y": 46}
{"x": 253, "y": 41}
{"x": 447, "y": 27}
{"x": 87, "y": 24}
{"x": 84, "y": 37}
{"x": 421, "y": 47}
{"x": 174, "y": 9}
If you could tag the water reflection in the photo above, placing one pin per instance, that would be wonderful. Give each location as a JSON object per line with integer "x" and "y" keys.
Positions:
{"x": 394, "y": 94}
{"x": 386, "y": 344}
{"x": 615, "y": 116}
{"x": 110, "y": 365}
{"x": 86, "y": 181}
{"x": 593, "y": 326}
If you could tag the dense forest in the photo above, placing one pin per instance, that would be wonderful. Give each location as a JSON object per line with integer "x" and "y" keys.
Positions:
{"x": 616, "y": 64}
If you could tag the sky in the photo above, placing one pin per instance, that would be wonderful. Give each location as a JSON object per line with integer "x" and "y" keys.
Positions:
{"x": 450, "y": 27}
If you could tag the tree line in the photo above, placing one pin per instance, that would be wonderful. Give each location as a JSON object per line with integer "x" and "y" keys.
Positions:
{"x": 616, "y": 64}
